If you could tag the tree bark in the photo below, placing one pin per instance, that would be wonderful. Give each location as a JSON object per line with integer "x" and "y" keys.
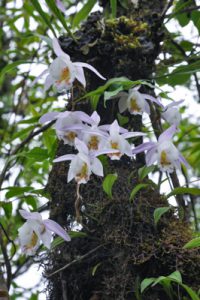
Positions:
{"x": 120, "y": 245}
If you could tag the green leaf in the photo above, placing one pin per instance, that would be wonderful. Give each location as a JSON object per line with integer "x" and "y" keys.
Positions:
{"x": 95, "y": 268}
{"x": 109, "y": 94}
{"x": 43, "y": 15}
{"x": 12, "y": 66}
{"x": 108, "y": 183}
{"x": 184, "y": 190}
{"x": 136, "y": 189}
{"x": 37, "y": 154}
{"x": 56, "y": 242}
{"x": 113, "y": 5}
{"x": 144, "y": 171}
{"x": 83, "y": 13}
{"x": 194, "y": 243}
{"x": 158, "y": 212}
{"x": 146, "y": 283}
{"x": 59, "y": 15}
{"x": 175, "y": 276}
{"x": 192, "y": 294}
{"x": 7, "y": 207}
{"x": 17, "y": 191}
{"x": 77, "y": 234}
{"x": 94, "y": 100}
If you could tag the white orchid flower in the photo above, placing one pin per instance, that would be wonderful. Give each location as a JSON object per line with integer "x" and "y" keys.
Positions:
{"x": 82, "y": 164}
{"x": 35, "y": 230}
{"x": 171, "y": 113}
{"x": 135, "y": 102}
{"x": 95, "y": 136}
{"x": 69, "y": 124}
{"x": 62, "y": 71}
{"x": 164, "y": 152}
{"x": 119, "y": 143}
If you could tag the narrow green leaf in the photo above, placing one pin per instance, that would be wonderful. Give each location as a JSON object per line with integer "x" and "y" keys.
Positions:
{"x": 158, "y": 212}
{"x": 95, "y": 268}
{"x": 194, "y": 243}
{"x": 7, "y": 207}
{"x": 12, "y": 66}
{"x": 77, "y": 234}
{"x": 94, "y": 100}
{"x": 83, "y": 13}
{"x": 14, "y": 191}
{"x": 146, "y": 283}
{"x": 43, "y": 15}
{"x": 108, "y": 183}
{"x": 192, "y": 294}
{"x": 184, "y": 190}
{"x": 136, "y": 189}
{"x": 113, "y": 5}
{"x": 51, "y": 4}
{"x": 109, "y": 94}
{"x": 56, "y": 242}
{"x": 144, "y": 171}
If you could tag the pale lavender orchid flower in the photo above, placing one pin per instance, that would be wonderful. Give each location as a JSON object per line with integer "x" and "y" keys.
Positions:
{"x": 117, "y": 141}
{"x": 84, "y": 163}
{"x": 171, "y": 113}
{"x": 62, "y": 71}
{"x": 164, "y": 152}
{"x": 68, "y": 125}
{"x": 35, "y": 230}
{"x": 136, "y": 102}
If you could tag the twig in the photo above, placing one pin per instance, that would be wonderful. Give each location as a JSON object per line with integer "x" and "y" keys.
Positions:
{"x": 197, "y": 85}
{"x": 186, "y": 10}
{"x": 167, "y": 6}
{"x": 6, "y": 260}
{"x": 80, "y": 258}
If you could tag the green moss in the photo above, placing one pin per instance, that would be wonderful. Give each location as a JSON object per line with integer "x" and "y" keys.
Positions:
{"x": 126, "y": 32}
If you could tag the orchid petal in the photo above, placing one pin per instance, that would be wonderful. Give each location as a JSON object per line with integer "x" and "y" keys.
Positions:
{"x": 95, "y": 117}
{"x": 46, "y": 237}
{"x": 143, "y": 147}
{"x": 151, "y": 156}
{"x": 167, "y": 134}
{"x": 174, "y": 103}
{"x": 147, "y": 107}
{"x": 85, "y": 65}
{"x": 80, "y": 76}
{"x": 106, "y": 151}
{"x": 84, "y": 117}
{"x": 128, "y": 135}
{"x": 81, "y": 146}
{"x": 97, "y": 167}
{"x": 56, "y": 228}
{"x": 58, "y": 51}
{"x": 114, "y": 128}
{"x": 30, "y": 216}
{"x": 48, "y": 82}
{"x": 184, "y": 161}
{"x": 122, "y": 104}
{"x": 64, "y": 157}
{"x": 60, "y": 5}
{"x": 153, "y": 99}
{"x": 48, "y": 117}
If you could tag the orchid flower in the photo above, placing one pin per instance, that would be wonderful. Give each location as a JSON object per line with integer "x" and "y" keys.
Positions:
{"x": 118, "y": 141}
{"x": 82, "y": 164}
{"x": 135, "y": 102}
{"x": 171, "y": 113}
{"x": 95, "y": 136}
{"x": 69, "y": 124}
{"x": 62, "y": 71}
{"x": 164, "y": 152}
{"x": 36, "y": 229}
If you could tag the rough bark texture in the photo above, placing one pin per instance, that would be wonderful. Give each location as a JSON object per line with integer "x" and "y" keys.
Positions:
{"x": 131, "y": 248}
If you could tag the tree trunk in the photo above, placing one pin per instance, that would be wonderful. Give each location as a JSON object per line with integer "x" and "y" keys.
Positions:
{"x": 120, "y": 245}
